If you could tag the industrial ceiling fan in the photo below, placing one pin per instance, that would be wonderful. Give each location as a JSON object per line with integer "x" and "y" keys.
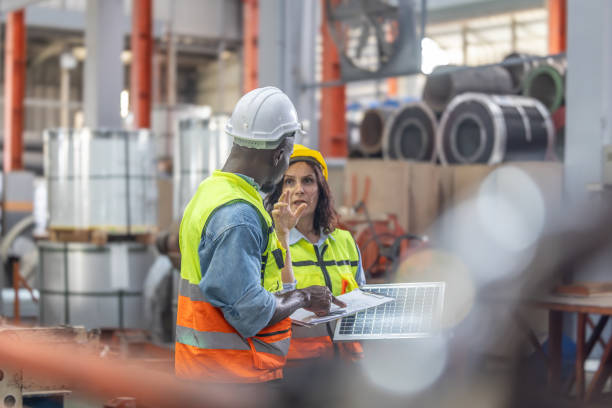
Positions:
{"x": 376, "y": 38}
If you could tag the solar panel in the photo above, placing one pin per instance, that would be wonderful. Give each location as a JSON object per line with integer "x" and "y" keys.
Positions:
{"x": 415, "y": 312}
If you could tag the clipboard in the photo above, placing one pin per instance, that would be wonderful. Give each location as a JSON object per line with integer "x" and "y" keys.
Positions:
{"x": 356, "y": 301}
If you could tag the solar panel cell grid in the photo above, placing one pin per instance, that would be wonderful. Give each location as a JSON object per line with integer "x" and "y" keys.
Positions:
{"x": 415, "y": 312}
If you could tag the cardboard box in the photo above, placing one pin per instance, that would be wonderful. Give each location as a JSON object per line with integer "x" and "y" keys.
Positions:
{"x": 408, "y": 190}
{"x": 419, "y": 193}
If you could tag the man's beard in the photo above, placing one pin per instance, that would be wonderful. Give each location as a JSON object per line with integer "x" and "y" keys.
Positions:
{"x": 267, "y": 187}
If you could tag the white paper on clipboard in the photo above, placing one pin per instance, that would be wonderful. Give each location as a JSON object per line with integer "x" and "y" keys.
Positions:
{"x": 356, "y": 301}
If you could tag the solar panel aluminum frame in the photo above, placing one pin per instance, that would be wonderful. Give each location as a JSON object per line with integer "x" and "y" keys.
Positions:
{"x": 438, "y": 307}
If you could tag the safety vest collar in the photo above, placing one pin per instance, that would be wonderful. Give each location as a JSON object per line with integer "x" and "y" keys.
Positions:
{"x": 239, "y": 181}
{"x": 295, "y": 236}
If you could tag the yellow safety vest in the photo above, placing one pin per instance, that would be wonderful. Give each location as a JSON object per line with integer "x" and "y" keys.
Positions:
{"x": 335, "y": 261}
{"x": 333, "y": 264}
{"x": 207, "y": 346}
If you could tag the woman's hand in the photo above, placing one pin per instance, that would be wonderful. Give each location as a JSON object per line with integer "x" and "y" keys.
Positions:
{"x": 284, "y": 218}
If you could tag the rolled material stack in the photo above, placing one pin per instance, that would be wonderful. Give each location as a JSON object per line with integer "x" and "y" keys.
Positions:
{"x": 518, "y": 66}
{"x": 483, "y": 120}
{"x": 101, "y": 179}
{"x": 91, "y": 285}
{"x": 371, "y": 131}
{"x": 201, "y": 146}
{"x": 480, "y": 128}
{"x": 546, "y": 83}
{"x": 409, "y": 133}
{"x": 446, "y": 82}
{"x": 102, "y": 194}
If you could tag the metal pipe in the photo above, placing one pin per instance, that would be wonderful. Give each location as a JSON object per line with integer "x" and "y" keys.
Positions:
{"x": 557, "y": 26}
{"x": 14, "y": 90}
{"x": 250, "y": 31}
{"x": 140, "y": 70}
{"x": 332, "y": 134}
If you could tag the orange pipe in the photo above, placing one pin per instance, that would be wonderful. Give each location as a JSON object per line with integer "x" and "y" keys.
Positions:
{"x": 104, "y": 378}
{"x": 557, "y": 26}
{"x": 392, "y": 87}
{"x": 250, "y": 31}
{"x": 142, "y": 59}
{"x": 14, "y": 90}
{"x": 332, "y": 127}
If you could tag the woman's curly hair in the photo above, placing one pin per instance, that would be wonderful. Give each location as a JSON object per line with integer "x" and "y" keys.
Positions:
{"x": 325, "y": 216}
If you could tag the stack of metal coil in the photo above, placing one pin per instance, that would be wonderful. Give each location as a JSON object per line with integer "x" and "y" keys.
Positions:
{"x": 482, "y": 117}
{"x": 201, "y": 146}
{"x": 479, "y": 128}
{"x": 101, "y": 183}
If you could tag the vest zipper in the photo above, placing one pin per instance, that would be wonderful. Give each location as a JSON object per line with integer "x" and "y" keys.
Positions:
{"x": 329, "y": 285}
{"x": 322, "y": 266}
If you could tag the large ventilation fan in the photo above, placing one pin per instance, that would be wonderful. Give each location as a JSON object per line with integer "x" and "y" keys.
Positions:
{"x": 376, "y": 38}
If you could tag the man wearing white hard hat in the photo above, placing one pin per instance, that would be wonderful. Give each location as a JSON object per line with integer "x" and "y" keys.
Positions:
{"x": 232, "y": 318}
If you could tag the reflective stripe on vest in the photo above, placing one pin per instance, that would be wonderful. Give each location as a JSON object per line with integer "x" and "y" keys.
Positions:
{"x": 228, "y": 341}
{"x": 207, "y": 346}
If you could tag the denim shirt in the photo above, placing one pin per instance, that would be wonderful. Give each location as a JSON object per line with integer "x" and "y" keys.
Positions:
{"x": 230, "y": 261}
{"x": 295, "y": 236}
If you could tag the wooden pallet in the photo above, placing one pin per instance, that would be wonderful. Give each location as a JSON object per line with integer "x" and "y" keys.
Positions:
{"x": 97, "y": 236}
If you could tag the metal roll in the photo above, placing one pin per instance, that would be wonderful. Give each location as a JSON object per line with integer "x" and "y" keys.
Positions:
{"x": 94, "y": 286}
{"x": 518, "y": 65}
{"x": 479, "y": 128}
{"x": 103, "y": 179}
{"x": 546, "y": 83}
{"x": 446, "y": 82}
{"x": 201, "y": 146}
{"x": 410, "y": 133}
{"x": 371, "y": 130}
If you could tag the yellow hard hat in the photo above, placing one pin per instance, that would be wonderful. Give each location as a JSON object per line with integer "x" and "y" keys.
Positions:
{"x": 301, "y": 152}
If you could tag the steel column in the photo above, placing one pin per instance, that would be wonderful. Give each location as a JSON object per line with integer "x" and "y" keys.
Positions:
{"x": 557, "y": 26}
{"x": 392, "y": 87}
{"x": 332, "y": 127}
{"x": 140, "y": 70}
{"x": 103, "y": 74}
{"x": 250, "y": 31}
{"x": 588, "y": 97}
{"x": 14, "y": 90}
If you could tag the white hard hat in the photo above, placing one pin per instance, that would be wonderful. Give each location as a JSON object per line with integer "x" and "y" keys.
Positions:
{"x": 261, "y": 118}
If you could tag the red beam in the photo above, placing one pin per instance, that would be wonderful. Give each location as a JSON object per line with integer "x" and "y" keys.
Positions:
{"x": 392, "y": 87}
{"x": 557, "y": 26}
{"x": 14, "y": 90}
{"x": 140, "y": 70}
{"x": 250, "y": 31}
{"x": 332, "y": 127}
{"x": 107, "y": 378}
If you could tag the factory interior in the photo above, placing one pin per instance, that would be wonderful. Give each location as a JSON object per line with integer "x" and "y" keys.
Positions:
{"x": 450, "y": 244}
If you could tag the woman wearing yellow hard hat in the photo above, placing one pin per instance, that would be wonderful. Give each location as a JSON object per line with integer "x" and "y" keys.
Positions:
{"x": 321, "y": 253}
